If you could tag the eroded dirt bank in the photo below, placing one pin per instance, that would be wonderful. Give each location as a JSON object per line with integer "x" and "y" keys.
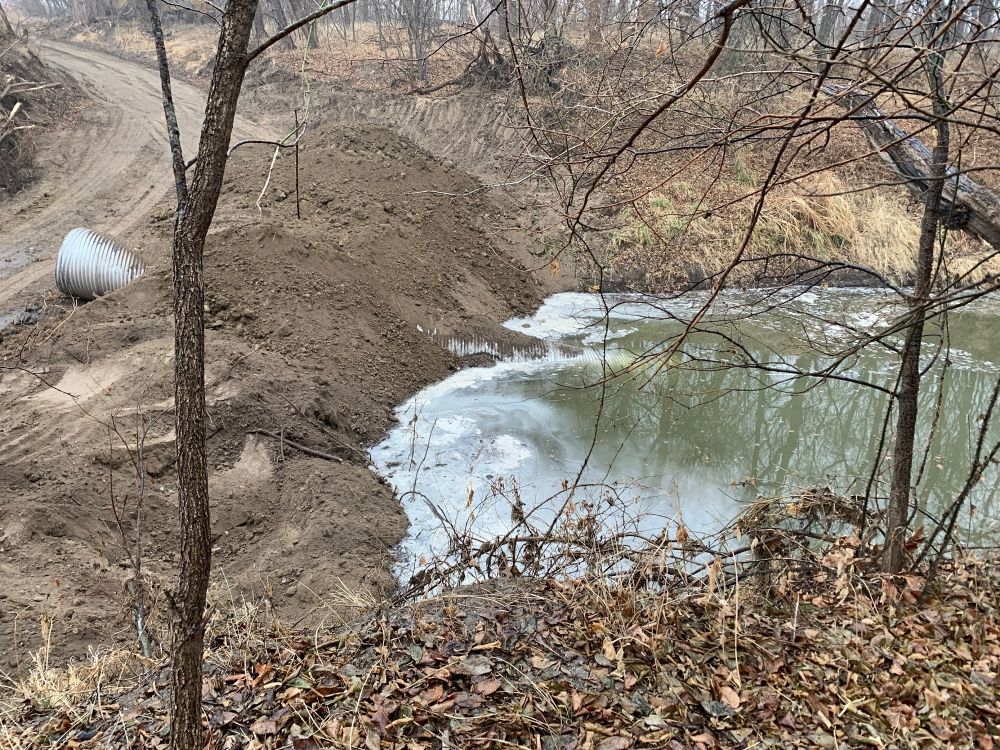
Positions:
{"x": 317, "y": 328}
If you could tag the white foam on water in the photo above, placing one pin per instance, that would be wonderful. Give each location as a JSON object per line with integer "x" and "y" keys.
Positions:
{"x": 569, "y": 314}
{"x": 601, "y": 335}
{"x": 472, "y": 419}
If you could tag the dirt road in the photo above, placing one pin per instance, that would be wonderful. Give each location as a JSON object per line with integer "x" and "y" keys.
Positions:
{"x": 106, "y": 172}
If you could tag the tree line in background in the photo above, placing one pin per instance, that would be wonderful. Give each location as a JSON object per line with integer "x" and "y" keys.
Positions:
{"x": 533, "y": 20}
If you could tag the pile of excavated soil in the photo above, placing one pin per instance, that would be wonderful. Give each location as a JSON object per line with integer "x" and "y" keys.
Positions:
{"x": 317, "y": 328}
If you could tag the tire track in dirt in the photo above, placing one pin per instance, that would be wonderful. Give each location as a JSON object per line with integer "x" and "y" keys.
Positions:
{"x": 107, "y": 173}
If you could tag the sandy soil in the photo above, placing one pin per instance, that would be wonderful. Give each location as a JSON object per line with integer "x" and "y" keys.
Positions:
{"x": 316, "y": 330}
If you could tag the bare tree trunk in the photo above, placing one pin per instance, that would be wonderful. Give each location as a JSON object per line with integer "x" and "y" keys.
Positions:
{"x": 548, "y": 18}
{"x": 282, "y": 20}
{"x": 503, "y": 26}
{"x": 987, "y": 17}
{"x": 259, "y": 23}
{"x": 594, "y": 22}
{"x": 195, "y": 210}
{"x": 193, "y": 222}
{"x": 309, "y": 33}
{"x": 829, "y": 20}
{"x": 967, "y": 204}
{"x": 908, "y": 392}
{"x": 287, "y": 14}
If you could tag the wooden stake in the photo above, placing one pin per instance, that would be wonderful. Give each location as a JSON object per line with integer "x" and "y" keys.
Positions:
{"x": 298, "y": 208}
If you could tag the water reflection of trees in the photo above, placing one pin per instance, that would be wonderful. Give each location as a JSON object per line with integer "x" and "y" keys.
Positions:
{"x": 777, "y": 433}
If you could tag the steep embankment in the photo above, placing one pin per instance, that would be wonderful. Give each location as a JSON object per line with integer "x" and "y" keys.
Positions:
{"x": 317, "y": 328}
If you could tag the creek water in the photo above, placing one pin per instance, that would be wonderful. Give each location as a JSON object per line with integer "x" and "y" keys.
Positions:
{"x": 696, "y": 435}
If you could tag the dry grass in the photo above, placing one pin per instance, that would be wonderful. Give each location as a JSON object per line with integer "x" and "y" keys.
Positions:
{"x": 669, "y": 236}
{"x": 75, "y": 692}
{"x": 50, "y": 687}
{"x": 190, "y": 47}
{"x": 238, "y": 630}
{"x": 974, "y": 269}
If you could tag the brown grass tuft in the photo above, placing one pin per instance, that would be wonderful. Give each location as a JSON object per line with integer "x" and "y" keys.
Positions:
{"x": 670, "y": 237}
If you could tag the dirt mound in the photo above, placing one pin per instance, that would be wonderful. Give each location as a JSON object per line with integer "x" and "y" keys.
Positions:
{"x": 316, "y": 329}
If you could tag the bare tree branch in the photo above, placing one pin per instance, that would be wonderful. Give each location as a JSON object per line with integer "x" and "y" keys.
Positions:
{"x": 292, "y": 27}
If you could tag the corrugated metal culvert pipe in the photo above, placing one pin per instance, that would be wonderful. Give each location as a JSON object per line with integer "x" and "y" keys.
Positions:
{"x": 90, "y": 265}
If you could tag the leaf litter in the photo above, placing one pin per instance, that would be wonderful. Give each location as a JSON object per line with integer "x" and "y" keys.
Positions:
{"x": 593, "y": 663}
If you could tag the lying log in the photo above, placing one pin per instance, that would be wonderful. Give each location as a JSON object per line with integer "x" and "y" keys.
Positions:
{"x": 965, "y": 204}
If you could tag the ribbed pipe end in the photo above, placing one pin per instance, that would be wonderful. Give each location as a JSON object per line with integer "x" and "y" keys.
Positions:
{"x": 90, "y": 265}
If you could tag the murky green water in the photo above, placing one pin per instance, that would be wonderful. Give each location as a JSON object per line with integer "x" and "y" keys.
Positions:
{"x": 698, "y": 434}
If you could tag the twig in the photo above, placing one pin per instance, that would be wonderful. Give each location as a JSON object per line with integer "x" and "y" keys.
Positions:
{"x": 298, "y": 446}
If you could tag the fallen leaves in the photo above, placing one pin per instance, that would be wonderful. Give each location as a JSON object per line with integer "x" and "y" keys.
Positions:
{"x": 567, "y": 666}
{"x": 264, "y": 727}
{"x": 729, "y": 696}
{"x": 472, "y": 666}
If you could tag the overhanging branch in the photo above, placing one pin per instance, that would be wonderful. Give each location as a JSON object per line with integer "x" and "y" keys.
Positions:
{"x": 293, "y": 27}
